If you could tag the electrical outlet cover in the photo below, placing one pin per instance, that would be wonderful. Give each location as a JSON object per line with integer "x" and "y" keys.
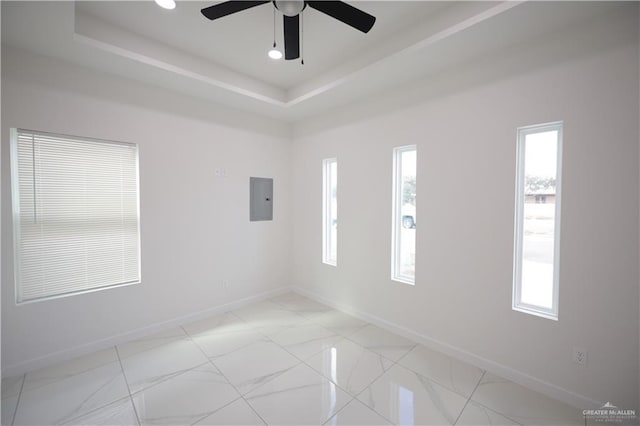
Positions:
{"x": 580, "y": 356}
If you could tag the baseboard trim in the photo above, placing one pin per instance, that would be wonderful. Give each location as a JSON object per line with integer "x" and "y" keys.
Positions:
{"x": 87, "y": 348}
{"x": 524, "y": 379}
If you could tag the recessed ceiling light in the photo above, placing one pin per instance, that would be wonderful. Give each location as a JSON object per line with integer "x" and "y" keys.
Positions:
{"x": 166, "y": 4}
{"x": 275, "y": 54}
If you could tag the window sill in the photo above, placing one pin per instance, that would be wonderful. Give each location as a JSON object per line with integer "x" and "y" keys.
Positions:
{"x": 76, "y": 293}
{"x": 404, "y": 280}
{"x": 536, "y": 312}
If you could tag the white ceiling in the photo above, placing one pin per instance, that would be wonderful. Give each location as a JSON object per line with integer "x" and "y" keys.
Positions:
{"x": 225, "y": 60}
{"x": 241, "y": 41}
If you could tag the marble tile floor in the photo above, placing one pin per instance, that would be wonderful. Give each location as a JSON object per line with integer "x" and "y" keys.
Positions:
{"x": 287, "y": 360}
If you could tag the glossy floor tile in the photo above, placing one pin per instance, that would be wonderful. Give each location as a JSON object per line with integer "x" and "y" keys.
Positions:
{"x": 356, "y": 413}
{"x": 254, "y": 365}
{"x": 186, "y": 398}
{"x": 475, "y": 414}
{"x": 301, "y": 304}
{"x": 153, "y": 341}
{"x": 9, "y": 405}
{"x": 306, "y": 340}
{"x": 71, "y": 397}
{"x": 406, "y": 398}
{"x": 300, "y": 396}
{"x": 11, "y": 386}
{"x": 119, "y": 413}
{"x": 349, "y": 365}
{"x": 269, "y": 317}
{"x": 217, "y": 344}
{"x": 339, "y": 322}
{"x": 450, "y": 373}
{"x": 61, "y": 371}
{"x": 383, "y": 342}
{"x": 287, "y": 360}
{"x": 223, "y": 323}
{"x": 146, "y": 368}
{"x": 523, "y": 405}
{"x": 236, "y": 413}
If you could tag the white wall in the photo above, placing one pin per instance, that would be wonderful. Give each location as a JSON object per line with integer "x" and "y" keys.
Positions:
{"x": 195, "y": 227}
{"x": 464, "y": 125}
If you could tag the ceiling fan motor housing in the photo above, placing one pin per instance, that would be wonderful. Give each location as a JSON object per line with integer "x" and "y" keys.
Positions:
{"x": 290, "y": 7}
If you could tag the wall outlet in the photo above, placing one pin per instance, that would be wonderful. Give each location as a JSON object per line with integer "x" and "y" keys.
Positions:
{"x": 580, "y": 356}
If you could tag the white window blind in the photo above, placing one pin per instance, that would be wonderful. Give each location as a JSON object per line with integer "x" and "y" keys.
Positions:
{"x": 76, "y": 214}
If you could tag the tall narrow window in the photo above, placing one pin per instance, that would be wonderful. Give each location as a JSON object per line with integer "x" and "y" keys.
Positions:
{"x": 537, "y": 233}
{"x": 75, "y": 214}
{"x": 330, "y": 212}
{"x": 403, "y": 252}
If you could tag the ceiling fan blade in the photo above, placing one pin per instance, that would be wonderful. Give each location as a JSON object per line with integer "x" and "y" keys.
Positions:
{"x": 291, "y": 37}
{"x": 228, "y": 7}
{"x": 346, "y": 13}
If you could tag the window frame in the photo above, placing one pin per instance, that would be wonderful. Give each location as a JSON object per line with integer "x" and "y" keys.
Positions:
{"x": 517, "y": 304}
{"x": 396, "y": 214}
{"x": 16, "y": 218}
{"x": 327, "y": 204}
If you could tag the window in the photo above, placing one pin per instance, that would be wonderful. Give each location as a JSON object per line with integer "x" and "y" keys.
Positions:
{"x": 403, "y": 252}
{"x": 75, "y": 214}
{"x": 537, "y": 233}
{"x": 330, "y": 211}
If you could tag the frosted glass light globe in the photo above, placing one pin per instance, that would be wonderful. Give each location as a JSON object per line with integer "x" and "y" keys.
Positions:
{"x": 290, "y": 7}
{"x": 275, "y": 54}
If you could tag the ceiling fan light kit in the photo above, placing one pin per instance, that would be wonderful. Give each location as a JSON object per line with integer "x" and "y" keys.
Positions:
{"x": 291, "y": 10}
{"x": 275, "y": 54}
{"x": 166, "y": 4}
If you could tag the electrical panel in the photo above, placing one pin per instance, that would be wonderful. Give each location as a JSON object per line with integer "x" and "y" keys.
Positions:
{"x": 260, "y": 199}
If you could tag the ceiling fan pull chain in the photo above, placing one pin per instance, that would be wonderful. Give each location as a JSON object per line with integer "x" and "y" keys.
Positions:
{"x": 274, "y": 28}
{"x": 291, "y": 11}
{"x": 302, "y": 38}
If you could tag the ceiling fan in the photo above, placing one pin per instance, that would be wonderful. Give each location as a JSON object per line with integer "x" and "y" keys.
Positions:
{"x": 291, "y": 9}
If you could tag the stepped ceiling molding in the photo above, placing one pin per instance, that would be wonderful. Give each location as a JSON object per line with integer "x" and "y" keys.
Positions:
{"x": 225, "y": 61}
